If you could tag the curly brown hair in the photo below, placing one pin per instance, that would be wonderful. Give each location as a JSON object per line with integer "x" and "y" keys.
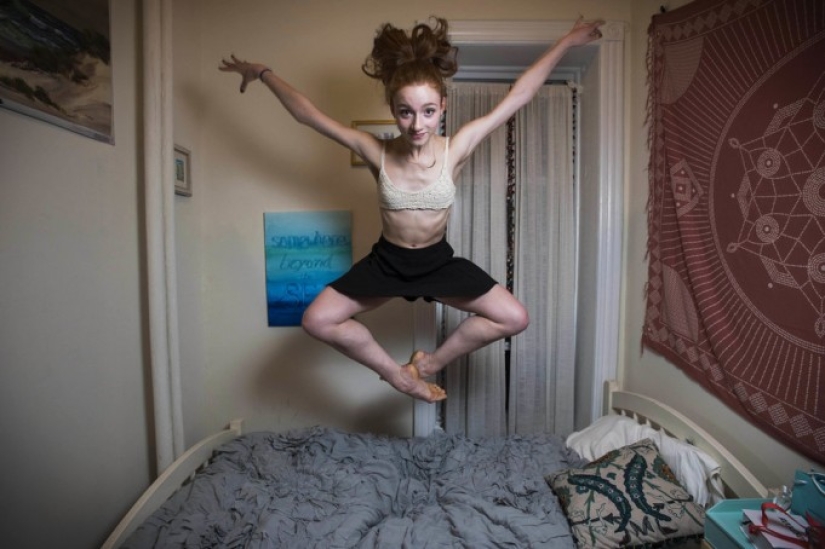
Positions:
{"x": 424, "y": 56}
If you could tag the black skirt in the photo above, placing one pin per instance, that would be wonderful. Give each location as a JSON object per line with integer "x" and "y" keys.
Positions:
{"x": 431, "y": 273}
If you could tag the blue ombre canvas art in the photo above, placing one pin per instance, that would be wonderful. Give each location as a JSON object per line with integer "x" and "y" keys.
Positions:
{"x": 304, "y": 252}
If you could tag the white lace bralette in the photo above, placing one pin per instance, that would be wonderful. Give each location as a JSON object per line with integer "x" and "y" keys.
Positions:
{"x": 438, "y": 195}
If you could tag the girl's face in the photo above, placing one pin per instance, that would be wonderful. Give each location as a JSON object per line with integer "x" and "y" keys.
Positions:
{"x": 417, "y": 110}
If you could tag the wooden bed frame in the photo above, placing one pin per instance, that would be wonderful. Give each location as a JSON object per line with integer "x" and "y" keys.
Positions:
{"x": 737, "y": 479}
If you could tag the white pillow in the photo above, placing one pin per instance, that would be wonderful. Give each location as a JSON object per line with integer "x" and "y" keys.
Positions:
{"x": 697, "y": 471}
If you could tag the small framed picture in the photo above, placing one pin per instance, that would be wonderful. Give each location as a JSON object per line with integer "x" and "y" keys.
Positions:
{"x": 183, "y": 171}
{"x": 382, "y": 129}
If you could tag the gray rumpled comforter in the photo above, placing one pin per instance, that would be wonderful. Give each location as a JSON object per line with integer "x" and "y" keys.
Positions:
{"x": 325, "y": 488}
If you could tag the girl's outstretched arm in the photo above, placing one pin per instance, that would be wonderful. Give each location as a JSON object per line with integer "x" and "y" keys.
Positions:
{"x": 525, "y": 88}
{"x": 304, "y": 111}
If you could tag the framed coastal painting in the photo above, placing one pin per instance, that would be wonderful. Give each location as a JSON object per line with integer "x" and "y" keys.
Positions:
{"x": 382, "y": 129}
{"x": 55, "y": 64}
{"x": 304, "y": 252}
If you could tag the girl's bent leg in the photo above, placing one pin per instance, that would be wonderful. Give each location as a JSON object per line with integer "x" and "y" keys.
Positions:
{"x": 329, "y": 318}
{"x": 496, "y": 315}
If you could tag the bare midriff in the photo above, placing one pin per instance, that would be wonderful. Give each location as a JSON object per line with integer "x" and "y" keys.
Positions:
{"x": 414, "y": 228}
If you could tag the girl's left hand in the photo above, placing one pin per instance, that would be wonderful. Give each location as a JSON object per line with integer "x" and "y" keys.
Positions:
{"x": 584, "y": 32}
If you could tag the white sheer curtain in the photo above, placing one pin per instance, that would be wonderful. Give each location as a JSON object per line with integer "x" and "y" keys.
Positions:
{"x": 541, "y": 388}
{"x": 542, "y": 359}
{"x": 476, "y": 384}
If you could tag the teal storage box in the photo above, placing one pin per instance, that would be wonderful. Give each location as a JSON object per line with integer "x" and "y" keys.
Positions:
{"x": 723, "y": 523}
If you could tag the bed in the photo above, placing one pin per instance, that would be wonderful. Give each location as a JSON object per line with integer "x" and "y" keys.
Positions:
{"x": 641, "y": 475}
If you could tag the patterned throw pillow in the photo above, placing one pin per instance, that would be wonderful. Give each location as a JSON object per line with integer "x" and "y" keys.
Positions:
{"x": 627, "y": 497}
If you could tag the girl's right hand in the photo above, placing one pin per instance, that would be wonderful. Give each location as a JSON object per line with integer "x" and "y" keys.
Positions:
{"x": 249, "y": 71}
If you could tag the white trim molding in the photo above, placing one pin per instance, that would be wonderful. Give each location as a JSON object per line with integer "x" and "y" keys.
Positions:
{"x": 425, "y": 414}
{"x": 160, "y": 231}
{"x": 467, "y": 32}
{"x": 611, "y": 213}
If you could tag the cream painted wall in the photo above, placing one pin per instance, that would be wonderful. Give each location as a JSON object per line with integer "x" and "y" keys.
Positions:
{"x": 646, "y": 372}
{"x": 73, "y": 412}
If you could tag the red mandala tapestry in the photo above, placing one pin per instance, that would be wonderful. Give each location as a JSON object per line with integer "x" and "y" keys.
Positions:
{"x": 736, "y": 288}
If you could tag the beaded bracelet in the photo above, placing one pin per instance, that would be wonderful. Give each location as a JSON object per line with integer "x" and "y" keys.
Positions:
{"x": 261, "y": 75}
